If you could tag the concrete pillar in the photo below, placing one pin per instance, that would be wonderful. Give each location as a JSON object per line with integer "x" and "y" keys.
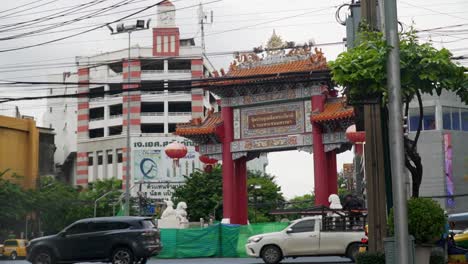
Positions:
{"x": 104, "y": 164}
{"x": 241, "y": 210}
{"x": 228, "y": 163}
{"x": 320, "y": 164}
{"x": 166, "y": 111}
{"x": 95, "y": 166}
{"x": 114, "y": 164}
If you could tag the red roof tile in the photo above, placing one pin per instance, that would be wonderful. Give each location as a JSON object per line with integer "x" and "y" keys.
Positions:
{"x": 333, "y": 111}
{"x": 197, "y": 126}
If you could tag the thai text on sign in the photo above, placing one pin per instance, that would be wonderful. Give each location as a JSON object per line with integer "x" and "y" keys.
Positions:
{"x": 272, "y": 120}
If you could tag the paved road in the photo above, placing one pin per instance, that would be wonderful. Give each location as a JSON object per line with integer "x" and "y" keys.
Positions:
{"x": 314, "y": 260}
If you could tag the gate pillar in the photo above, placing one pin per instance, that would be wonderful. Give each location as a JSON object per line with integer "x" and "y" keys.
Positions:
{"x": 320, "y": 163}
{"x": 241, "y": 199}
{"x": 332, "y": 173}
{"x": 228, "y": 164}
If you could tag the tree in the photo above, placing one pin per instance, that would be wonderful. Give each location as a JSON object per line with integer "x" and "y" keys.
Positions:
{"x": 424, "y": 69}
{"x": 203, "y": 192}
{"x": 270, "y": 193}
{"x": 14, "y": 204}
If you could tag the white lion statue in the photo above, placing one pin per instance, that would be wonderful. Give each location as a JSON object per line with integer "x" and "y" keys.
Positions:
{"x": 334, "y": 201}
{"x": 169, "y": 212}
{"x": 181, "y": 213}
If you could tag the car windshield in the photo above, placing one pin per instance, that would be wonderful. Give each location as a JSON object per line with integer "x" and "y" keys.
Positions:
{"x": 11, "y": 243}
{"x": 148, "y": 224}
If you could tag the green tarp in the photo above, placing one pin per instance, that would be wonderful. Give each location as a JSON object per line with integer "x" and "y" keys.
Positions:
{"x": 213, "y": 241}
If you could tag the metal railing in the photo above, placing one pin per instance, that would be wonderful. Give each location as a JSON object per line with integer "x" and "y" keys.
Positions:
{"x": 180, "y": 113}
{"x": 152, "y": 113}
{"x": 115, "y": 116}
{"x": 96, "y": 119}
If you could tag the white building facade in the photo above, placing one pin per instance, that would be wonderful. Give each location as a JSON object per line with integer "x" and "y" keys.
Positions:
{"x": 91, "y": 129}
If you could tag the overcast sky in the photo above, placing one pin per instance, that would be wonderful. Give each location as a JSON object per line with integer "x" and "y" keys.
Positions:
{"x": 238, "y": 25}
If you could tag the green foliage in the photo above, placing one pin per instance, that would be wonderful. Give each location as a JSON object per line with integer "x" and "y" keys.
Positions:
{"x": 362, "y": 70}
{"x": 370, "y": 258}
{"x": 426, "y": 220}
{"x": 203, "y": 194}
{"x": 204, "y": 191}
{"x": 54, "y": 204}
{"x": 302, "y": 202}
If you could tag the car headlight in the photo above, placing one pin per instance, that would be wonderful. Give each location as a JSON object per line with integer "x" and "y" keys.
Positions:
{"x": 255, "y": 239}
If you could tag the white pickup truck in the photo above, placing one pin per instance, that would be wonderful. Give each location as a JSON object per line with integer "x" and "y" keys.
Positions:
{"x": 304, "y": 237}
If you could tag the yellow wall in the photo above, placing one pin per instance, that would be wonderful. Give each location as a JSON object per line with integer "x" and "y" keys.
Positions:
{"x": 19, "y": 149}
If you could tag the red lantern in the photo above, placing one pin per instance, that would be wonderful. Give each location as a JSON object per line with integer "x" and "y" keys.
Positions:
{"x": 176, "y": 151}
{"x": 357, "y": 137}
{"x": 207, "y": 160}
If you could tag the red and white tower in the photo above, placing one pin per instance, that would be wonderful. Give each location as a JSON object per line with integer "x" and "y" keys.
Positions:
{"x": 166, "y": 34}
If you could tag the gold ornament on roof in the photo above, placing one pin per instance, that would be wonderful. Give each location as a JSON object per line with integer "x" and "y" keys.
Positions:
{"x": 275, "y": 44}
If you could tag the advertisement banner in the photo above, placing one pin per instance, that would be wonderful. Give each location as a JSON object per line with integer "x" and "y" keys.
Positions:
{"x": 152, "y": 167}
{"x": 448, "y": 169}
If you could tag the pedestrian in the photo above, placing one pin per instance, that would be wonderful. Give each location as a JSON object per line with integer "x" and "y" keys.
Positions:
{"x": 353, "y": 204}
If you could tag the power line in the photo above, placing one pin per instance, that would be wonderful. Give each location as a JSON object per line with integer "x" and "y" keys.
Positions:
{"x": 50, "y": 2}
{"x": 80, "y": 33}
{"x": 61, "y": 24}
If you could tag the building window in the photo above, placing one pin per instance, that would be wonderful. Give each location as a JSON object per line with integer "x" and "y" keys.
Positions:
{"x": 152, "y": 128}
{"x": 90, "y": 159}
{"x": 50, "y": 125}
{"x": 172, "y": 128}
{"x": 109, "y": 157}
{"x": 115, "y": 130}
{"x": 115, "y": 110}
{"x": 51, "y": 92}
{"x": 173, "y": 43}
{"x": 96, "y": 113}
{"x": 165, "y": 43}
{"x": 180, "y": 64}
{"x": 99, "y": 158}
{"x": 50, "y": 109}
{"x": 119, "y": 156}
{"x": 96, "y": 93}
{"x": 150, "y": 108}
{"x": 428, "y": 118}
{"x": 451, "y": 118}
{"x": 464, "y": 118}
{"x": 180, "y": 107}
{"x": 96, "y": 133}
{"x": 158, "y": 44}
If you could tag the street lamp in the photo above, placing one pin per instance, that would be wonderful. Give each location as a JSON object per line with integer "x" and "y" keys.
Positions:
{"x": 121, "y": 28}
{"x": 255, "y": 187}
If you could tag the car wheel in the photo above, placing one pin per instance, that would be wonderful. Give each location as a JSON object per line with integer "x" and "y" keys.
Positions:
{"x": 43, "y": 257}
{"x": 13, "y": 255}
{"x": 271, "y": 254}
{"x": 122, "y": 256}
{"x": 352, "y": 251}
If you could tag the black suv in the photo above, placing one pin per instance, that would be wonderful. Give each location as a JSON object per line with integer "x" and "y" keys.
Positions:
{"x": 120, "y": 240}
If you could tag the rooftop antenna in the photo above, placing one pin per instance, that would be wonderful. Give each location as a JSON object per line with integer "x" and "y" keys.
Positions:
{"x": 204, "y": 18}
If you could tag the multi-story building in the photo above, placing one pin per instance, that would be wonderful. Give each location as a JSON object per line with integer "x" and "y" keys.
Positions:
{"x": 442, "y": 148}
{"x": 91, "y": 129}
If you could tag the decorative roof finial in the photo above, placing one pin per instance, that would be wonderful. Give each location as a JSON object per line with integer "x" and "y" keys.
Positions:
{"x": 274, "y": 44}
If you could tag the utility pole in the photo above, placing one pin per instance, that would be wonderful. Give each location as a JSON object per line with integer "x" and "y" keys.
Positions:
{"x": 374, "y": 161}
{"x": 121, "y": 28}
{"x": 396, "y": 134}
{"x": 202, "y": 20}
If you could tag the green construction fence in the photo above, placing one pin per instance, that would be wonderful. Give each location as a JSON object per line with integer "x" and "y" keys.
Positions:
{"x": 214, "y": 241}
